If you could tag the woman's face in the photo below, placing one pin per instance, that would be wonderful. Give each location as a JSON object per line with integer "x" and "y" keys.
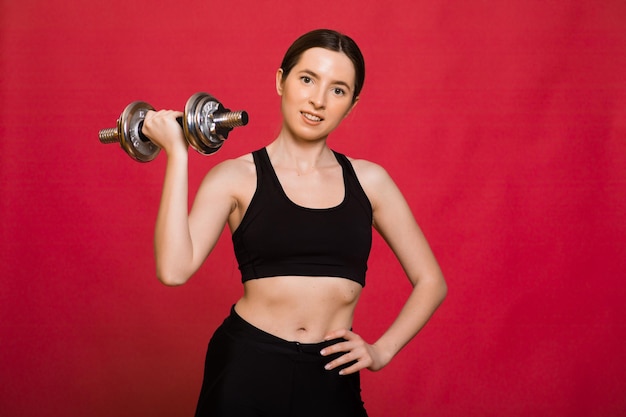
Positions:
{"x": 317, "y": 93}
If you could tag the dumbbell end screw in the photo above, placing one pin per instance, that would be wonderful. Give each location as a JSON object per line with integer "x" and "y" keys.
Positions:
{"x": 231, "y": 119}
{"x": 109, "y": 135}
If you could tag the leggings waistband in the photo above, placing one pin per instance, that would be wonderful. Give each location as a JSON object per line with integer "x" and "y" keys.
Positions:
{"x": 238, "y": 326}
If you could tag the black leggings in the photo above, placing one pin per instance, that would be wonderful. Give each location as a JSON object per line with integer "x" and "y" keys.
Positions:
{"x": 249, "y": 372}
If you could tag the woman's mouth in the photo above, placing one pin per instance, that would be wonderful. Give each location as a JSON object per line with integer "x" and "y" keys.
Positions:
{"x": 311, "y": 117}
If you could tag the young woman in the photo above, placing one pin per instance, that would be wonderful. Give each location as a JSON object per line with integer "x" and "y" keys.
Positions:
{"x": 301, "y": 218}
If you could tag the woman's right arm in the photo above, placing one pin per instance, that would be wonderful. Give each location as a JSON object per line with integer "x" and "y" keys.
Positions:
{"x": 182, "y": 239}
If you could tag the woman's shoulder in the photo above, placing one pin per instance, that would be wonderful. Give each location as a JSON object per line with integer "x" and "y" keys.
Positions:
{"x": 241, "y": 165}
{"x": 232, "y": 171}
{"x": 369, "y": 172}
{"x": 374, "y": 179}
{"x": 384, "y": 194}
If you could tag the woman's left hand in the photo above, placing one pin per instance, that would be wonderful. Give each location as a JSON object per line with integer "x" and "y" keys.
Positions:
{"x": 357, "y": 350}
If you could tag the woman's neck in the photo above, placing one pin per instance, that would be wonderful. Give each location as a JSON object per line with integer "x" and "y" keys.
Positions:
{"x": 303, "y": 157}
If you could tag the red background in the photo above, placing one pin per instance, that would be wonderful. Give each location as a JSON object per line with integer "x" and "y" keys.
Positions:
{"x": 504, "y": 123}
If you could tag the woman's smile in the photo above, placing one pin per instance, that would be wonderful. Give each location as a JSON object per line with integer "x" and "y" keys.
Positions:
{"x": 312, "y": 117}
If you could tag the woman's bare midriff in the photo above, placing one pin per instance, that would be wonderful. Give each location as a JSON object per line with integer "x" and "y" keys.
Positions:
{"x": 299, "y": 309}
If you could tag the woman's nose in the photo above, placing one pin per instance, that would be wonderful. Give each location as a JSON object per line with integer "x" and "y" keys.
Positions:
{"x": 318, "y": 98}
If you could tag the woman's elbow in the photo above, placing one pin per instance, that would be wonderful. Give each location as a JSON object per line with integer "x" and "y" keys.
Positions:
{"x": 171, "y": 278}
{"x": 437, "y": 287}
{"x": 443, "y": 290}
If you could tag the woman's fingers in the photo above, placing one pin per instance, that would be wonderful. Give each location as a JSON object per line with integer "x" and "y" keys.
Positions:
{"x": 358, "y": 353}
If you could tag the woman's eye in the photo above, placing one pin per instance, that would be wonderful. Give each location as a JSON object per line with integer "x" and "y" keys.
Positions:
{"x": 339, "y": 91}
{"x": 305, "y": 79}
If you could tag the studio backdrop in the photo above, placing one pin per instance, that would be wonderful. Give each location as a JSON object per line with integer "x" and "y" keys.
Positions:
{"x": 503, "y": 123}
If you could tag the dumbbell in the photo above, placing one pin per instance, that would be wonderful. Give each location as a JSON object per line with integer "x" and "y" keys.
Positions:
{"x": 205, "y": 122}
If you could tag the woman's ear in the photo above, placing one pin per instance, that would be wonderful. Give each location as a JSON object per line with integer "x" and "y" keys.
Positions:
{"x": 279, "y": 81}
{"x": 356, "y": 101}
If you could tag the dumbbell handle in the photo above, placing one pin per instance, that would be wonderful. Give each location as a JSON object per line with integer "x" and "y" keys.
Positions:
{"x": 109, "y": 135}
{"x": 144, "y": 138}
{"x": 226, "y": 122}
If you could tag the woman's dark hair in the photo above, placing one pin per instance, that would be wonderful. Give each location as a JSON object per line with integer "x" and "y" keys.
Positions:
{"x": 331, "y": 40}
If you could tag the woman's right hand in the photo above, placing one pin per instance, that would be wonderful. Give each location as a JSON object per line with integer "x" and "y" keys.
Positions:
{"x": 164, "y": 131}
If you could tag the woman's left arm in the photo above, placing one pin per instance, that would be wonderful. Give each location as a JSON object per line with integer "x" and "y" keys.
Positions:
{"x": 394, "y": 221}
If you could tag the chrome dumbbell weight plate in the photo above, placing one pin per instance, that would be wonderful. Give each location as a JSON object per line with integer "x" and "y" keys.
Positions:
{"x": 199, "y": 125}
{"x": 128, "y": 134}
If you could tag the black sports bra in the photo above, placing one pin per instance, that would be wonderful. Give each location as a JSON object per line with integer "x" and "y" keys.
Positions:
{"x": 277, "y": 237}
